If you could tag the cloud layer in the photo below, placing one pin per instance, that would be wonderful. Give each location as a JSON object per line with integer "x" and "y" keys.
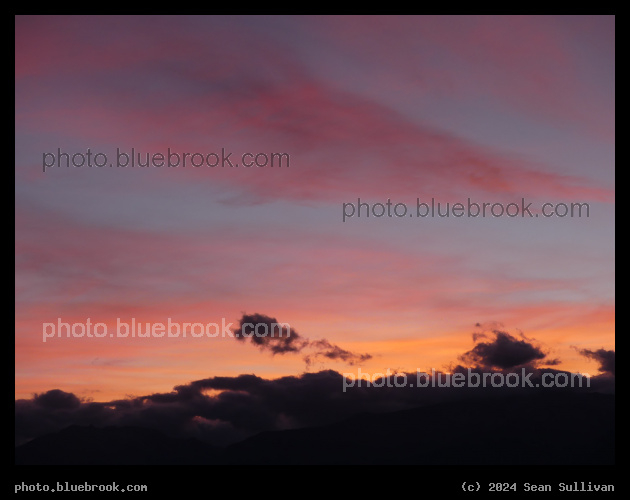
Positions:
{"x": 223, "y": 410}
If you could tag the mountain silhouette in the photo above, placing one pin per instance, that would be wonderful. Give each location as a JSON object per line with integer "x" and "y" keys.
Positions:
{"x": 88, "y": 445}
{"x": 551, "y": 428}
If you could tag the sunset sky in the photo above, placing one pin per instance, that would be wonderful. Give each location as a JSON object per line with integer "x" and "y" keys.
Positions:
{"x": 494, "y": 109}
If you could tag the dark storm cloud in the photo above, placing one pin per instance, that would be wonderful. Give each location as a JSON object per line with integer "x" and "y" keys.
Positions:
{"x": 505, "y": 351}
{"x": 605, "y": 358}
{"x": 326, "y": 350}
{"x": 56, "y": 400}
{"x": 551, "y": 362}
{"x": 269, "y": 334}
